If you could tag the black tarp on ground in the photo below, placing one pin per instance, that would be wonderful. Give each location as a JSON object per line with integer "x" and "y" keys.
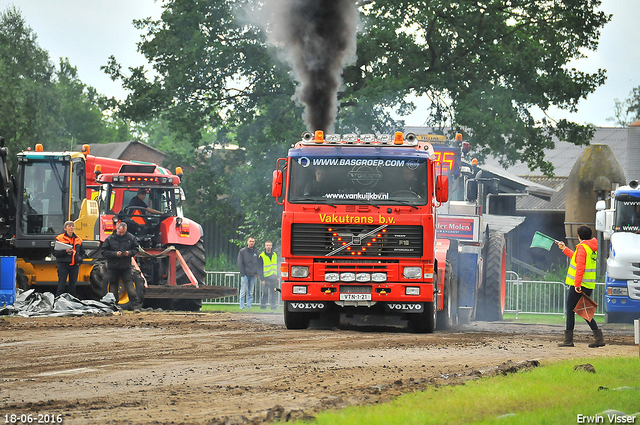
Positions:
{"x": 35, "y": 304}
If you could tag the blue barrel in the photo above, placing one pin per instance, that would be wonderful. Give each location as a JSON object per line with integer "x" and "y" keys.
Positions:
{"x": 7, "y": 280}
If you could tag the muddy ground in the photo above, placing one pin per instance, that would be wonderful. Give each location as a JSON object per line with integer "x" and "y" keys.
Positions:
{"x": 247, "y": 368}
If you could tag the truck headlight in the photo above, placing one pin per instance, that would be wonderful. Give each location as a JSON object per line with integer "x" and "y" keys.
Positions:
{"x": 299, "y": 271}
{"x": 299, "y": 290}
{"x": 412, "y": 272}
{"x": 347, "y": 277}
{"x": 379, "y": 277}
{"x": 412, "y": 290}
{"x": 331, "y": 277}
{"x": 617, "y": 291}
{"x": 363, "y": 277}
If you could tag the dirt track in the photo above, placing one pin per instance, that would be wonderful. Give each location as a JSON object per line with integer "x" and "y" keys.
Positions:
{"x": 243, "y": 368}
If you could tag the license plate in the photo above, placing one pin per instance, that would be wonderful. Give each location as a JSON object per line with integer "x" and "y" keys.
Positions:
{"x": 355, "y": 297}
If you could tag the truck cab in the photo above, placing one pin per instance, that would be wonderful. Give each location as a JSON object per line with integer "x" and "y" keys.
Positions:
{"x": 620, "y": 225}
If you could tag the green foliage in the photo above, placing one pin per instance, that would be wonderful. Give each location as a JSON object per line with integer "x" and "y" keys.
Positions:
{"x": 220, "y": 263}
{"x": 550, "y": 394}
{"x": 627, "y": 111}
{"x": 29, "y": 109}
{"x": 44, "y": 104}
{"x": 485, "y": 67}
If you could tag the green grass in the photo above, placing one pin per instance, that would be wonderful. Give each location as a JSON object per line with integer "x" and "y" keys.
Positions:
{"x": 551, "y": 394}
{"x": 235, "y": 308}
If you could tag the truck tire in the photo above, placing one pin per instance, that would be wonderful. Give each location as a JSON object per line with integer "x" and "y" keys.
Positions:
{"x": 495, "y": 275}
{"x": 195, "y": 258}
{"x": 447, "y": 317}
{"x": 425, "y": 322}
{"x": 295, "y": 320}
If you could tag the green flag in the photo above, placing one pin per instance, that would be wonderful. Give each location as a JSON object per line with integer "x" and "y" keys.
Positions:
{"x": 542, "y": 241}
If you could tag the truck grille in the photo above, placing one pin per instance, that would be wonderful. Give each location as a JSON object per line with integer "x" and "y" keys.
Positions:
{"x": 325, "y": 239}
{"x": 633, "y": 286}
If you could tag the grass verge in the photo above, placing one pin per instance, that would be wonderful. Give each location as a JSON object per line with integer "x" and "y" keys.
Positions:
{"x": 551, "y": 394}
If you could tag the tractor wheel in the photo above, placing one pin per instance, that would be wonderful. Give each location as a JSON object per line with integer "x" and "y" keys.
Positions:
{"x": 495, "y": 275}
{"x": 295, "y": 320}
{"x": 124, "y": 302}
{"x": 99, "y": 280}
{"x": 194, "y": 257}
{"x": 22, "y": 281}
{"x": 447, "y": 318}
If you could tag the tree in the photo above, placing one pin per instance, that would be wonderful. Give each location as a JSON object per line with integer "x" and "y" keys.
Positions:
{"x": 29, "y": 109}
{"x": 81, "y": 109}
{"x": 43, "y": 104}
{"x": 485, "y": 66}
{"x": 627, "y": 111}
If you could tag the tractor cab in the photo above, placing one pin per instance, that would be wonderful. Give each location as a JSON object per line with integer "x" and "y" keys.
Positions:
{"x": 147, "y": 203}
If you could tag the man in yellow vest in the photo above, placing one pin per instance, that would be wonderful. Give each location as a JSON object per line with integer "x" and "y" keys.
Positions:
{"x": 581, "y": 277}
{"x": 268, "y": 272}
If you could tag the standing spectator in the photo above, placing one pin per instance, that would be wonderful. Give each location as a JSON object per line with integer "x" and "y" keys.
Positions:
{"x": 581, "y": 278}
{"x": 118, "y": 249}
{"x": 268, "y": 272}
{"x": 248, "y": 266}
{"x": 68, "y": 259}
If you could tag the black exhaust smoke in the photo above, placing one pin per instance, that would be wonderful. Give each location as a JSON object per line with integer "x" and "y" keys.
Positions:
{"x": 319, "y": 39}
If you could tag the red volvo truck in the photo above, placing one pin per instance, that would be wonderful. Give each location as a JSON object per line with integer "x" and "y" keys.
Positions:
{"x": 359, "y": 229}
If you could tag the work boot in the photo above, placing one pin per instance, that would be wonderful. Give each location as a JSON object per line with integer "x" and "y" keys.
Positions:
{"x": 599, "y": 339}
{"x": 568, "y": 339}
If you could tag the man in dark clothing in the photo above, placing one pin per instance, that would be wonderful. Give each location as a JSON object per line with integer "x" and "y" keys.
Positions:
{"x": 268, "y": 272}
{"x": 68, "y": 259}
{"x": 139, "y": 201}
{"x": 118, "y": 249}
{"x": 248, "y": 266}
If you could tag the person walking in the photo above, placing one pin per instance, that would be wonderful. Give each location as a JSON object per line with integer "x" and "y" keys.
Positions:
{"x": 118, "y": 249}
{"x": 248, "y": 266}
{"x": 581, "y": 278}
{"x": 69, "y": 259}
{"x": 268, "y": 272}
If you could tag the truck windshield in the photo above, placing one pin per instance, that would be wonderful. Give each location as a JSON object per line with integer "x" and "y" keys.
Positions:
{"x": 343, "y": 180}
{"x": 42, "y": 209}
{"x": 627, "y": 214}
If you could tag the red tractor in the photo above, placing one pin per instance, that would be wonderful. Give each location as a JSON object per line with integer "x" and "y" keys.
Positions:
{"x": 172, "y": 254}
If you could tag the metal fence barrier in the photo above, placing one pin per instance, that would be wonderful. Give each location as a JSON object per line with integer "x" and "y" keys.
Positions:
{"x": 232, "y": 280}
{"x": 539, "y": 297}
{"x": 522, "y": 296}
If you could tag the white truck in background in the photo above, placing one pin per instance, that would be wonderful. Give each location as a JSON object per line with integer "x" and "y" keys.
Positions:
{"x": 620, "y": 224}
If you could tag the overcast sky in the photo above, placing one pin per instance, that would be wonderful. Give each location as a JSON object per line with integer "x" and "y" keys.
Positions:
{"x": 89, "y": 31}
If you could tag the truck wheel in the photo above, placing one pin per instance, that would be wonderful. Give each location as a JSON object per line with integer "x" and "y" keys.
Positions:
{"x": 447, "y": 317}
{"x": 295, "y": 320}
{"x": 194, "y": 257}
{"x": 98, "y": 280}
{"x": 424, "y": 322}
{"x": 495, "y": 279}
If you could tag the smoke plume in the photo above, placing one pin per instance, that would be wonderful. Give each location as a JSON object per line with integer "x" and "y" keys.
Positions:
{"x": 319, "y": 40}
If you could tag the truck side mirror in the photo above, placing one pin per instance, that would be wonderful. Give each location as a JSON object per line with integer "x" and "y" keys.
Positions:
{"x": 601, "y": 205}
{"x": 472, "y": 190}
{"x": 276, "y": 184}
{"x": 442, "y": 188}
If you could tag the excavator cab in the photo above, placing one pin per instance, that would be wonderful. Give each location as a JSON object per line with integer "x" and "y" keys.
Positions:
{"x": 51, "y": 189}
